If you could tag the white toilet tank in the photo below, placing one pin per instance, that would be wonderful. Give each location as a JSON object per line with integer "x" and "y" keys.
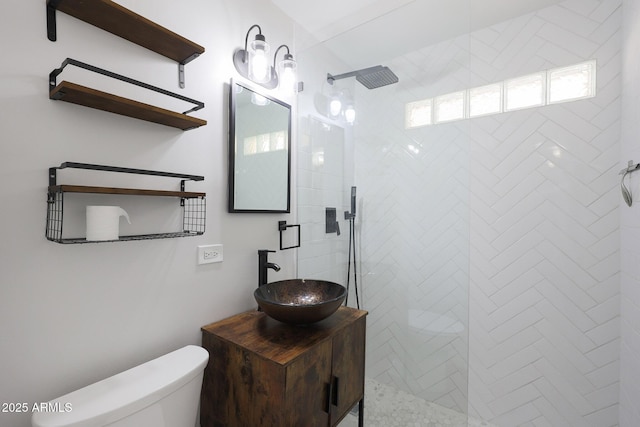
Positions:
{"x": 164, "y": 392}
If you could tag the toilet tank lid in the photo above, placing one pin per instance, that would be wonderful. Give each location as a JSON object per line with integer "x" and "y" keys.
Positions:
{"x": 125, "y": 393}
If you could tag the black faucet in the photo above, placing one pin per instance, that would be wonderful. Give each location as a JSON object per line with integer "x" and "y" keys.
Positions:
{"x": 264, "y": 265}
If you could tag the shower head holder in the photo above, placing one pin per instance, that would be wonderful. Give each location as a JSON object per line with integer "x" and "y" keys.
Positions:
{"x": 626, "y": 192}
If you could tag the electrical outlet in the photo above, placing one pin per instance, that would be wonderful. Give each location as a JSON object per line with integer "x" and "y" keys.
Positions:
{"x": 209, "y": 253}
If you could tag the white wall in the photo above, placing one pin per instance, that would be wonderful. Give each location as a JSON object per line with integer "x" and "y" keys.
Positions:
{"x": 74, "y": 314}
{"x": 630, "y": 222}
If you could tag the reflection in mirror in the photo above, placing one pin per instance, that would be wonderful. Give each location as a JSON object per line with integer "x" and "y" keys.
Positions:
{"x": 259, "y": 151}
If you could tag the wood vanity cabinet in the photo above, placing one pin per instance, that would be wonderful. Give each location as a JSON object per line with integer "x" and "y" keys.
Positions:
{"x": 262, "y": 372}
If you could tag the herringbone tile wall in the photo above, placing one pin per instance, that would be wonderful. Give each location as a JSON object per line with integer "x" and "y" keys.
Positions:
{"x": 544, "y": 300}
{"x": 630, "y": 219}
{"x": 516, "y": 214}
{"x": 321, "y": 184}
{"x": 490, "y": 247}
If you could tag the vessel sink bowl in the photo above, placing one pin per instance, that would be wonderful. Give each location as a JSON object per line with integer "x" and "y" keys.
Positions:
{"x": 300, "y": 301}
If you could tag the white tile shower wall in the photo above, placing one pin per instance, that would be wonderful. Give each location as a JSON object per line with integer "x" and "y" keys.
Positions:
{"x": 541, "y": 218}
{"x": 321, "y": 184}
{"x": 630, "y": 221}
{"x": 544, "y": 311}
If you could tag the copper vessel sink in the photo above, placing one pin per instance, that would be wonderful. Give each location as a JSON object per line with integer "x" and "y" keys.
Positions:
{"x": 300, "y": 301}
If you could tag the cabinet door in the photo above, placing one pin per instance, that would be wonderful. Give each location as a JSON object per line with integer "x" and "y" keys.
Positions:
{"x": 307, "y": 389}
{"x": 348, "y": 369}
{"x": 240, "y": 388}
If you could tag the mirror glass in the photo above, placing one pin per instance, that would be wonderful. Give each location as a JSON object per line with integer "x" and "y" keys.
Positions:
{"x": 259, "y": 151}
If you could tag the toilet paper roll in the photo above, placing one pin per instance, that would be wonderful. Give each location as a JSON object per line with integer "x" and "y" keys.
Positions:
{"x": 103, "y": 222}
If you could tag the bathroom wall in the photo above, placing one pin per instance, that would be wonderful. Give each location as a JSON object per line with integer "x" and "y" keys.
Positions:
{"x": 74, "y": 314}
{"x": 630, "y": 222}
{"x": 545, "y": 259}
{"x": 543, "y": 225}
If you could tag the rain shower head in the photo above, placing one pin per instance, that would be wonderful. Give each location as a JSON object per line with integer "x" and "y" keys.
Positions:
{"x": 371, "y": 78}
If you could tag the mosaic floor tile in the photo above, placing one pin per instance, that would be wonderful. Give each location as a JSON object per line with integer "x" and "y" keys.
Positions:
{"x": 386, "y": 406}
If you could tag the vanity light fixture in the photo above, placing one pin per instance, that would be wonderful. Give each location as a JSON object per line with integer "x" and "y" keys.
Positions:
{"x": 252, "y": 63}
{"x": 286, "y": 76}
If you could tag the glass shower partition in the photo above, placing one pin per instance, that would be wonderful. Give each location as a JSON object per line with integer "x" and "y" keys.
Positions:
{"x": 412, "y": 223}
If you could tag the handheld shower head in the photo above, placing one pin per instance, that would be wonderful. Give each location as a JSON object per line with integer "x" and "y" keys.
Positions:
{"x": 352, "y": 214}
{"x": 353, "y": 200}
{"x": 626, "y": 194}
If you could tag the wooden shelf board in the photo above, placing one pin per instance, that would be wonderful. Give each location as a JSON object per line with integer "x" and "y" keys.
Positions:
{"x": 129, "y": 25}
{"x": 82, "y": 95}
{"x": 123, "y": 191}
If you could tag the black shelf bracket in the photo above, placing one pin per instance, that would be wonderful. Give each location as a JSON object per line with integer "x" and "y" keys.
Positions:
{"x": 69, "y": 61}
{"x": 52, "y": 5}
{"x": 52, "y": 35}
{"x": 181, "y": 75}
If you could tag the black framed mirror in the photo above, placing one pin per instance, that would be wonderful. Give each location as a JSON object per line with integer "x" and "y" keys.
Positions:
{"x": 259, "y": 151}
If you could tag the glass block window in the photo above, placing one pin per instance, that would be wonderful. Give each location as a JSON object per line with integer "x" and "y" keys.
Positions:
{"x": 552, "y": 86}
{"x": 573, "y": 82}
{"x": 449, "y": 107}
{"x": 485, "y": 100}
{"x": 525, "y": 92}
{"x": 418, "y": 113}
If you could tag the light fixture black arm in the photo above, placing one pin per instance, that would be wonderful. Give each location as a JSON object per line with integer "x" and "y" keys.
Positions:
{"x": 275, "y": 55}
{"x": 241, "y": 59}
{"x": 246, "y": 40}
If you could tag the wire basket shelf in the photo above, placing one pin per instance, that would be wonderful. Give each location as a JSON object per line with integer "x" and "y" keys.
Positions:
{"x": 193, "y": 204}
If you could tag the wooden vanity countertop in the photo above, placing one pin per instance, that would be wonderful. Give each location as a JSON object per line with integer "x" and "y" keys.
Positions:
{"x": 277, "y": 341}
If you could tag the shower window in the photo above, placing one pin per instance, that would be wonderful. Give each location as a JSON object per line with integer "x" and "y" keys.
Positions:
{"x": 571, "y": 83}
{"x": 418, "y": 113}
{"x": 552, "y": 86}
{"x": 485, "y": 100}
{"x": 525, "y": 92}
{"x": 449, "y": 107}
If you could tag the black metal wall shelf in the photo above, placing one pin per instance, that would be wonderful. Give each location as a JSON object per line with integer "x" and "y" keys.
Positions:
{"x": 81, "y": 95}
{"x": 129, "y": 25}
{"x": 193, "y": 203}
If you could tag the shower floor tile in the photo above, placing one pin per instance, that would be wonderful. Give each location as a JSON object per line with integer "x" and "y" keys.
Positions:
{"x": 386, "y": 406}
